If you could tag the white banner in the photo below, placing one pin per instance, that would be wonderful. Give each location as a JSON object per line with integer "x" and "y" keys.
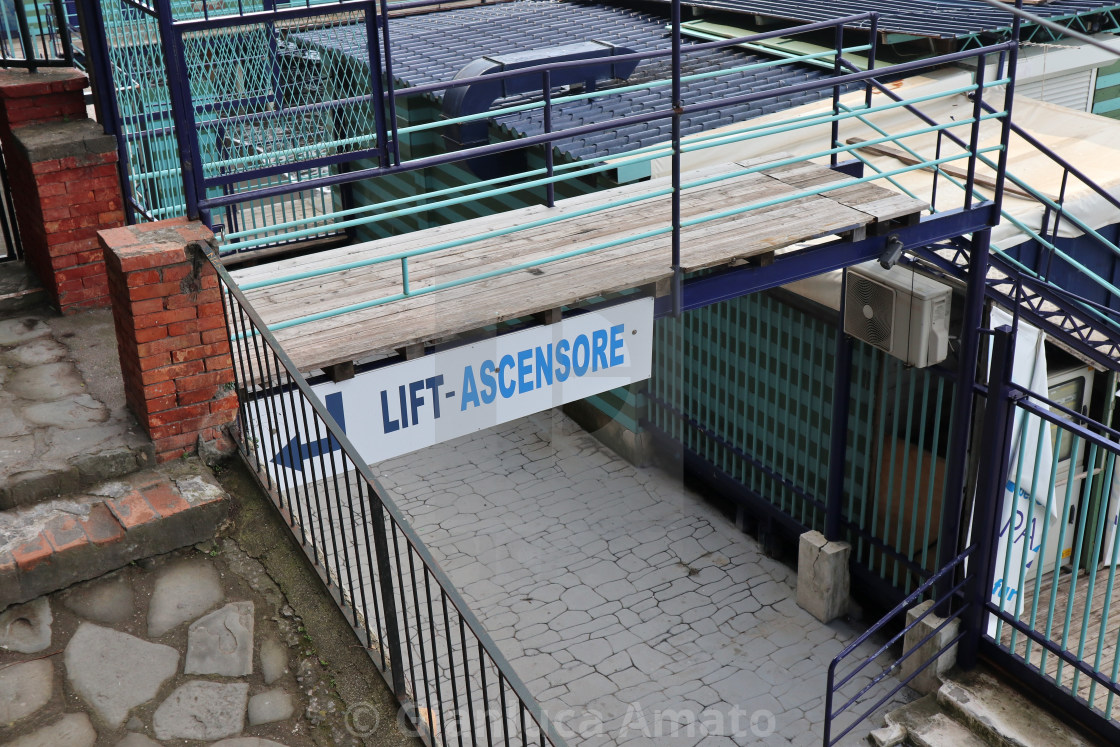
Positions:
{"x": 406, "y": 406}
{"x": 1024, "y": 510}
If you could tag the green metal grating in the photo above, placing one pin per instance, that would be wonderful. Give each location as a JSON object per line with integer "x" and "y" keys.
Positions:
{"x": 756, "y": 374}
{"x": 244, "y": 67}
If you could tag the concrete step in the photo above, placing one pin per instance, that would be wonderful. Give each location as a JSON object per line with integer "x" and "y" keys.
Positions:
{"x": 19, "y": 288}
{"x": 64, "y": 422}
{"x": 51, "y": 545}
{"x": 1002, "y": 716}
{"x": 923, "y": 723}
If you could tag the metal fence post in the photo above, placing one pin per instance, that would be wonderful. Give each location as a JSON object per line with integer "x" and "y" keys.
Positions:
{"x": 957, "y": 458}
{"x": 838, "y": 439}
{"x": 678, "y": 274}
{"x": 388, "y": 600}
{"x": 989, "y": 492}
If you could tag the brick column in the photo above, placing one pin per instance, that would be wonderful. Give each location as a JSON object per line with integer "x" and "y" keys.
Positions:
{"x": 65, "y": 187}
{"x": 171, "y": 334}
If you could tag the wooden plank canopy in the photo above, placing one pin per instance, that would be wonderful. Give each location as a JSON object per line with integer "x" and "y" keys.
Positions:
{"x": 441, "y": 314}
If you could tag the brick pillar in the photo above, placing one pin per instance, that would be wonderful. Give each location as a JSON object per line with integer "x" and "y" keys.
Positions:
{"x": 171, "y": 334}
{"x": 65, "y": 187}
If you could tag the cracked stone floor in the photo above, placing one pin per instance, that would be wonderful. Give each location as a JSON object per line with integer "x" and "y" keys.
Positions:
{"x": 624, "y": 601}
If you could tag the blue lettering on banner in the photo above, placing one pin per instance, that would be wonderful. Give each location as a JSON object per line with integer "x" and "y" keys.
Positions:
{"x": 294, "y": 453}
{"x": 503, "y": 364}
{"x": 524, "y": 371}
{"x": 581, "y": 343}
{"x": 518, "y": 373}
{"x": 562, "y": 359}
{"x": 616, "y": 344}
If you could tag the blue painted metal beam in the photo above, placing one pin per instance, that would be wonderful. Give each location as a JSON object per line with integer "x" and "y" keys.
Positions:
{"x": 740, "y": 281}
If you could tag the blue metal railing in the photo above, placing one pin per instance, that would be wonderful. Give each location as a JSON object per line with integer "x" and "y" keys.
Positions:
{"x": 551, "y": 174}
{"x": 834, "y": 732}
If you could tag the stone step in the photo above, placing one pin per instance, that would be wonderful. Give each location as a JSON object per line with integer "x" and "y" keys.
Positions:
{"x": 51, "y": 545}
{"x": 923, "y": 723}
{"x": 1002, "y": 716}
{"x": 64, "y": 424}
{"x": 19, "y": 288}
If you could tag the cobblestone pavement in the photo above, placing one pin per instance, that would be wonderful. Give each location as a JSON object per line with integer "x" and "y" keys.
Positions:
{"x": 189, "y": 648}
{"x": 628, "y": 605}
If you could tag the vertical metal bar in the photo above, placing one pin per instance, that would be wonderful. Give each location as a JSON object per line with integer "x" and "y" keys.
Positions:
{"x": 182, "y": 109}
{"x": 1078, "y": 549}
{"x": 63, "y": 32}
{"x": 1006, "y": 593}
{"x": 407, "y": 644}
{"x": 677, "y": 281}
{"x": 1028, "y": 524}
{"x": 377, "y": 87}
{"x": 485, "y": 695}
{"x": 936, "y": 173}
{"x": 838, "y": 440}
{"x": 871, "y": 55}
{"x": 390, "y": 83}
{"x": 974, "y": 138}
{"x": 1091, "y": 563}
{"x": 837, "y": 71}
{"x": 25, "y": 36}
{"x": 1057, "y": 225}
{"x": 388, "y": 601}
{"x": 989, "y": 491}
{"x": 1106, "y": 608}
{"x": 8, "y": 221}
{"x": 1008, "y": 99}
{"x": 546, "y": 86}
{"x": 95, "y": 40}
{"x": 956, "y": 468}
{"x": 451, "y": 666}
{"x": 467, "y": 693}
{"x": 1075, "y": 453}
{"x": 1041, "y": 571}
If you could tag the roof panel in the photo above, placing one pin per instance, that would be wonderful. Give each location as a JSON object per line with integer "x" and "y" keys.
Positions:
{"x": 948, "y": 19}
{"x": 434, "y": 47}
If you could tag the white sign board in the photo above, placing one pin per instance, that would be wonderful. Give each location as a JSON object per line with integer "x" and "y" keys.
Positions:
{"x": 1024, "y": 511}
{"x": 403, "y": 407}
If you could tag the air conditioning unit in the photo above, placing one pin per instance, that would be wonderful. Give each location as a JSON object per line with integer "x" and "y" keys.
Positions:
{"x": 898, "y": 311}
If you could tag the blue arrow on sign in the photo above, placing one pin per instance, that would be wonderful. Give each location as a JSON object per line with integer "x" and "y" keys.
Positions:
{"x": 295, "y": 453}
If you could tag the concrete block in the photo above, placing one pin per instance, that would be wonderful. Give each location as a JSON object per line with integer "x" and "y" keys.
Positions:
{"x": 823, "y": 578}
{"x": 929, "y": 679}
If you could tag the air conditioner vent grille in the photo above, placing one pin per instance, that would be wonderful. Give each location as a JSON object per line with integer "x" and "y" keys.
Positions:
{"x": 869, "y": 311}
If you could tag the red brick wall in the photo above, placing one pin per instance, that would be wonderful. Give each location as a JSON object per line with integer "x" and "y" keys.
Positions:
{"x": 65, "y": 186}
{"x": 171, "y": 334}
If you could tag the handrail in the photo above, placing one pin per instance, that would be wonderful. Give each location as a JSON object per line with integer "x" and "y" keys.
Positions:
{"x": 337, "y": 435}
{"x": 902, "y": 607}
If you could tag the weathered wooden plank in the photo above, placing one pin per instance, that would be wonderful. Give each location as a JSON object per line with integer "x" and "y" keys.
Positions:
{"x": 442, "y": 314}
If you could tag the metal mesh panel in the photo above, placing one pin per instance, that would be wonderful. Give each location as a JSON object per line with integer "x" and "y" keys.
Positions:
{"x": 236, "y": 71}
{"x": 262, "y": 102}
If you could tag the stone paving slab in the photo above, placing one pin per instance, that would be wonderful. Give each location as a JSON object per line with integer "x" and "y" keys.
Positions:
{"x": 115, "y": 683}
{"x": 64, "y": 423}
{"x": 626, "y": 602}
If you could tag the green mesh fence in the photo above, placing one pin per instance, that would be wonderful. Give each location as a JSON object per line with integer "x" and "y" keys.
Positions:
{"x": 249, "y": 71}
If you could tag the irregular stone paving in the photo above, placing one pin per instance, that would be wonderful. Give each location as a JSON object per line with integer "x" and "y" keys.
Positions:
{"x": 88, "y": 669}
{"x": 63, "y": 419}
{"x": 625, "y": 602}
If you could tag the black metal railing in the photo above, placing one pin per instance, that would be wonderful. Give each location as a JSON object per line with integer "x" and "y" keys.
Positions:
{"x": 12, "y": 248}
{"x": 446, "y": 671}
{"x": 35, "y": 34}
{"x": 870, "y": 698}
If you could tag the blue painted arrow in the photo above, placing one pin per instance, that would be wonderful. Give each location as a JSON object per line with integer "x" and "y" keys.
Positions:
{"x": 295, "y": 453}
